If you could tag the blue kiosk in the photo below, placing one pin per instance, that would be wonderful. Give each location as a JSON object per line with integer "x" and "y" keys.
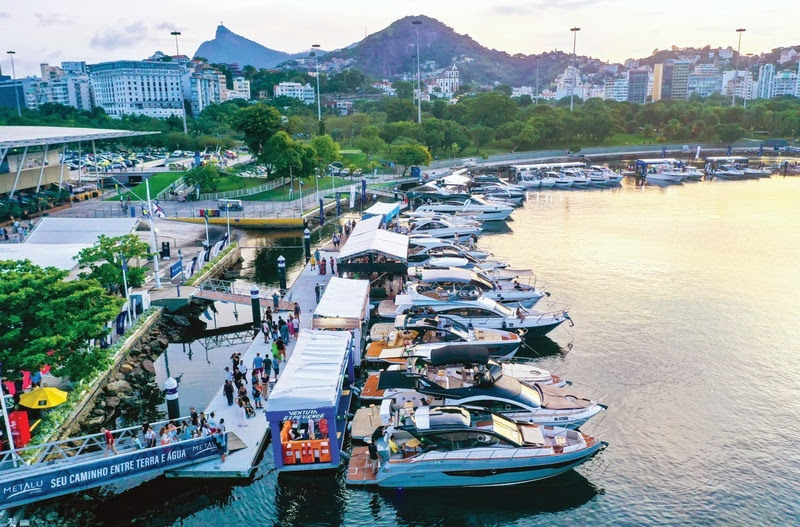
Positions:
{"x": 307, "y": 409}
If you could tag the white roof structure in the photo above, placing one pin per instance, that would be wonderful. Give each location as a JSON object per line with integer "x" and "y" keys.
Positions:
{"x": 313, "y": 375}
{"x": 44, "y": 255}
{"x": 55, "y": 231}
{"x": 385, "y": 211}
{"x": 22, "y": 136}
{"x": 366, "y": 225}
{"x": 657, "y": 160}
{"x": 381, "y": 241}
{"x": 344, "y": 299}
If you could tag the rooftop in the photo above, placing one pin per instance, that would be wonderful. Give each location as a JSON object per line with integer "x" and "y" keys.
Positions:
{"x": 22, "y": 136}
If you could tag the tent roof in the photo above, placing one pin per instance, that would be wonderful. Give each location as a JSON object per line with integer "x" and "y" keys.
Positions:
{"x": 21, "y": 136}
{"x": 344, "y": 299}
{"x": 384, "y": 210}
{"x": 453, "y": 274}
{"x": 390, "y": 244}
{"x": 44, "y": 255}
{"x": 313, "y": 374}
{"x": 366, "y": 225}
{"x": 79, "y": 230}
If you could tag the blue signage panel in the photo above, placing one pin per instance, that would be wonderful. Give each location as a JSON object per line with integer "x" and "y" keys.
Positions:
{"x": 176, "y": 269}
{"x": 38, "y": 482}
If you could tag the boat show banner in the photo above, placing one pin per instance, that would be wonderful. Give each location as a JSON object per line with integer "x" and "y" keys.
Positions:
{"x": 30, "y": 483}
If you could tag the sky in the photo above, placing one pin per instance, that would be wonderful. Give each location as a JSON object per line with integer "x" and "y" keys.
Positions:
{"x": 614, "y": 30}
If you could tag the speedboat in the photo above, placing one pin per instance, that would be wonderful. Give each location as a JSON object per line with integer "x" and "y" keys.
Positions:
{"x": 441, "y": 228}
{"x": 455, "y": 219}
{"x": 476, "y": 207}
{"x": 470, "y": 307}
{"x": 756, "y": 172}
{"x": 463, "y": 447}
{"x": 665, "y": 173}
{"x": 729, "y": 172}
{"x": 692, "y": 173}
{"x": 528, "y": 179}
{"x": 421, "y": 244}
{"x": 512, "y": 197}
{"x": 446, "y": 257}
{"x": 452, "y": 280}
{"x": 451, "y": 364}
{"x": 560, "y": 180}
{"x": 579, "y": 179}
{"x": 435, "y": 191}
{"x": 611, "y": 177}
{"x": 418, "y": 335}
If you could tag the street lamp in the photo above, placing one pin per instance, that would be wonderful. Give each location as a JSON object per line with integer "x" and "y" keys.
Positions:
{"x": 736, "y": 72}
{"x": 574, "y": 71}
{"x": 176, "y": 34}
{"x": 11, "y": 53}
{"x": 315, "y": 47}
{"x": 416, "y": 24}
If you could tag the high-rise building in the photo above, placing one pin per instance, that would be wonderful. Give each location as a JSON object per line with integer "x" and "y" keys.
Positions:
{"x": 680, "y": 80}
{"x": 662, "y": 81}
{"x": 304, "y": 92}
{"x": 68, "y": 85}
{"x": 206, "y": 86}
{"x": 638, "y": 80}
{"x": 128, "y": 87}
{"x": 766, "y": 78}
{"x": 785, "y": 83}
{"x": 616, "y": 89}
{"x": 739, "y": 83}
{"x": 241, "y": 89}
{"x": 704, "y": 81}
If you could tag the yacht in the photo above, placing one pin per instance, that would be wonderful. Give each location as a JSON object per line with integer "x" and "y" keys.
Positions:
{"x": 450, "y": 281}
{"x": 666, "y": 173}
{"x": 611, "y": 177}
{"x": 426, "y": 243}
{"x": 440, "y": 228}
{"x": 494, "y": 193}
{"x": 470, "y": 307}
{"x": 434, "y": 191}
{"x": 756, "y": 172}
{"x": 475, "y": 206}
{"x": 692, "y": 173}
{"x": 560, "y": 180}
{"x": 579, "y": 179}
{"x": 446, "y": 257}
{"x": 528, "y": 179}
{"x": 462, "y": 447}
{"x": 418, "y": 335}
{"x": 453, "y": 365}
{"x": 729, "y": 172}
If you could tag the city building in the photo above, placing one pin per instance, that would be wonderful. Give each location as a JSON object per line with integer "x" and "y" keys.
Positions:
{"x": 616, "y": 89}
{"x": 704, "y": 81}
{"x": 386, "y": 87}
{"x": 662, "y": 81}
{"x": 295, "y": 90}
{"x": 680, "y": 80}
{"x": 241, "y": 89}
{"x": 522, "y": 90}
{"x": 68, "y": 85}
{"x": 128, "y": 87}
{"x": 11, "y": 92}
{"x": 344, "y": 107}
{"x": 206, "y": 86}
{"x": 567, "y": 82}
{"x": 638, "y": 79}
{"x": 785, "y": 83}
{"x": 448, "y": 82}
{"x": 739, "y": 83}
{"x": 766, "y": 79}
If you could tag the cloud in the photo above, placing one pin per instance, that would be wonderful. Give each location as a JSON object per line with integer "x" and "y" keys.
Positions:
{"x": 4, "y": 14}
{"x": 111, "y": 38}
{"x": 166, "y": 26}
{"x": 530, "y": 8}
{"x": 53, "y": 19}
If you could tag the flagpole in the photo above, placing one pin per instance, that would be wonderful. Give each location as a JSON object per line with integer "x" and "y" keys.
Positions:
{"x": 5, "y": 417}
{"x": 152, "y": 235}
{"x": 125, "y": 285}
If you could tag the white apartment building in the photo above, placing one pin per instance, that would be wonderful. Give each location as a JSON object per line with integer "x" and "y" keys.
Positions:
{"x": 739, "y": 83}
{"x": 129, "y": 87}
{"x": 616, "y": 89}
{"x": 519, "y": 91}
{"x": 206, "y": 87}
{"x": 786, "y": 83}
{"x": 241, "y": 90}
{"x": 295, "y": 90}
{"x": 766, "y": 79}
{"x": 564, "y": 83}
{"x": 704, "y": 80}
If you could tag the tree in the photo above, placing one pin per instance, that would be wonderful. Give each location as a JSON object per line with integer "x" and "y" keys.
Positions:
{"x": 327, "y": 149}
{"x": 404, "y": 89}
{"x": 491, "y": 108}
{"x": 205, "y": 177}
{"x": 283, "y": 153}
{"x": 399, "y": 110}
{"x": 258, "y": 123}
{"x": 105, "y": 259}
{"x": 504, "y": 88}
{"x": 41, "y": 313}
{"x": 407, "y": 155}
{"x": 481, "y": 136}
{"x": 729, "y": 133}
{"x": 369, "y": 141}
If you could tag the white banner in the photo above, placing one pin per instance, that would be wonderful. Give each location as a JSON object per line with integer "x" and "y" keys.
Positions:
{"x": 352, "y": 196}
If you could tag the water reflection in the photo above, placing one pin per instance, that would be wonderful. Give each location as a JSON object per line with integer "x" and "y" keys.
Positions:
{"x": 310, "y": 499}
{"x": 490, "y": 505}
{"x": 542, "y": 347}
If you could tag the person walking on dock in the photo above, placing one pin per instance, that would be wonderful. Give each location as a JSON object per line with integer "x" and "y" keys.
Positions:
{"x": 109, "y": 437}
{"x": 222, "y": 439}
{"x": 313, "y": 262}
{"x": 276, "y": 357}
{"x": 296, "y": 325}
{"x": 290, "y": 326}
{"x": 275, "y": 301}
{"x": 283, "y": 328}
{"x": 297, "y": 311}
{"x": 241, "y": 414}
{"x": 258, "y": 365}
{"x": 333, "y": 267}
{"x": 317, "y": 292}
{"x": 316, "y": 255}
{"x": 228, "y": 391}
{"x": 266, "y": 330}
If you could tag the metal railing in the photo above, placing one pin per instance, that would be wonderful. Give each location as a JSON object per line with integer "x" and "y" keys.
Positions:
{"x": 232, "y": 194}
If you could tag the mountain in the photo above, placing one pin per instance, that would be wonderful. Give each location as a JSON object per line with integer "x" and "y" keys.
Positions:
{"x": 228, "y": 47}
{"x": 391, "y": 52}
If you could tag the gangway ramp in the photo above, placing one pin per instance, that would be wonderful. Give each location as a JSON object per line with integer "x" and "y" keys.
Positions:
{"x": 41, "y": 472}
{"x": 235, "y": 292}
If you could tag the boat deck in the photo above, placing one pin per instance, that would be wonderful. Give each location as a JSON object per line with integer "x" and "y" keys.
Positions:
{"x": 358, "y": 470}
{"x": 365, "y": 421}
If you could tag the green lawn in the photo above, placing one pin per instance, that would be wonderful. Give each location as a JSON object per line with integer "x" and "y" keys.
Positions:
{"x": 158, "y": 182}
{"x": 237, "y": 183}
{"x": 282, "y": 193}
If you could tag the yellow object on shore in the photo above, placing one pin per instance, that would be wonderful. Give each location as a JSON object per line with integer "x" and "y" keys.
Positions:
{"x": 40, "y": 398}
{"x": 249, "y": 223}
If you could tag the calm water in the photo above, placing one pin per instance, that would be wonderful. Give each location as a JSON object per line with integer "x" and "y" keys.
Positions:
{"x": 686, "y": 303}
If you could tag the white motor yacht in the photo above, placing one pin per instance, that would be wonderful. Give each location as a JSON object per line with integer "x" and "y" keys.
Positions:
{"x": 665, "y": 173}
{"x": 611, "y": 177}
{"x": 475, "y": 207}
{"x": 471, "y": 307}
{"x": 561, "y": 180}
{"x": 455, "y": 279}
{"x": 528, "y": 179}
{"x": 579, "y": 179}
{"x": 440, "y": 228}
{"x": 729, "y": 172}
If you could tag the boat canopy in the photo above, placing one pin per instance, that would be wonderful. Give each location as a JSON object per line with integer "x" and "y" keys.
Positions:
{"x": 456, "y": 179}
{"x": 657, "y": 161}
{"x": 459, "y": 354}
{"x": 453, "y": 274}
{"x": 313, "y": 375}
{"x": 548, "y": 166}
{"x": 345, "y": 303}
{"x": 729, "y": 159}
{"x": 386, "y": 211}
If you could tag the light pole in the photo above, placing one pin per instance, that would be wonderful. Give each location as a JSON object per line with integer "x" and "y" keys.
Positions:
{"x": 574, "y": 70}
{"x": 11, "y": 54}
{"x": 315, "y": 47}
{"x": 416, "y": 24}
{"x": 153, "y": 235}
{"x": 176, "y": 34}
{"x": 125, "y": 285}
{"x": 736, "y": 72}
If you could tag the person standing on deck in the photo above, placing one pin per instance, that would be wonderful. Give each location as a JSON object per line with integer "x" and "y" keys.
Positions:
{"x": 228, "y": 391}
{"x": 297, "y": 311}
{"x": 316, "y": 255}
